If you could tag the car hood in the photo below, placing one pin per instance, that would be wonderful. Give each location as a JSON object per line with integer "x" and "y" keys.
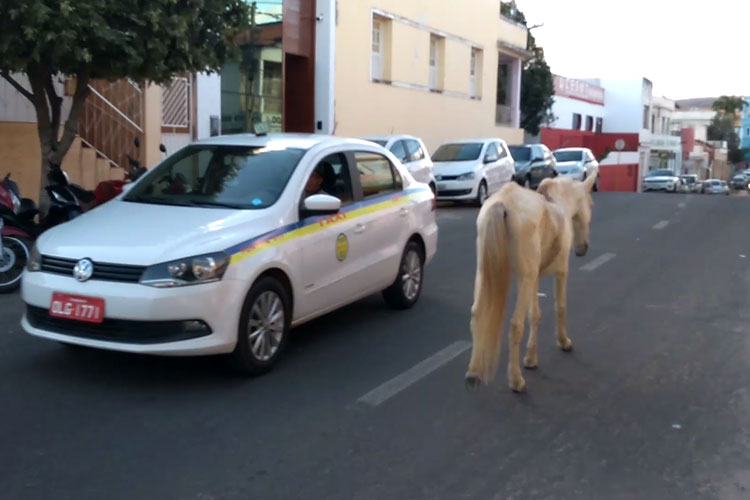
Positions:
{"x": 564, "y": 166}
{"x": 123, "y": 232}
{"x": 454, "y": 167}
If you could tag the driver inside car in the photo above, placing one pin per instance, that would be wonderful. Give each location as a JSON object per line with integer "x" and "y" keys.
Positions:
{"x": 321, "y": 180}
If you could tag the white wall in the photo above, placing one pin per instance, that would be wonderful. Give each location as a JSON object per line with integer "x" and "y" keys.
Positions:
{"x": 564, "y": 107}
{"x": 208, "y": 103}
{"x": 16, "y": 108}
{"x": 325, "y": 56}
{"x": 623, "y": 105}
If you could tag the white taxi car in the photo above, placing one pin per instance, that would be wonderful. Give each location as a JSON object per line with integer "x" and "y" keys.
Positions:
{"x": 229, "y": 243}
{"x": 472, "y": 169}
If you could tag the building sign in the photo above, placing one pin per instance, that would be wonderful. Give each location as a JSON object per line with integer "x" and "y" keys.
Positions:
{"x": 578, "y": 89}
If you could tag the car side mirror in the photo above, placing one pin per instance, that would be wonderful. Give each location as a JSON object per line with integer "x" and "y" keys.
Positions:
{"x": 320, "y": 204}
{"x": 491, "y": 158}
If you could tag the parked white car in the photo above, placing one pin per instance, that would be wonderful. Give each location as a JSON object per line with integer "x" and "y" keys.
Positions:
{"x": 576, "y": 163}
{"x": 229, "y": 243}
{"x": 661, "y": 180}
{"x": 412, "y": 152}
{"x": 472, "y": 169}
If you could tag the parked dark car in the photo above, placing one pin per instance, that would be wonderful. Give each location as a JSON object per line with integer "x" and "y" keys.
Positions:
{"x": 740, "y": 182}
{"x": 534, "y": 163}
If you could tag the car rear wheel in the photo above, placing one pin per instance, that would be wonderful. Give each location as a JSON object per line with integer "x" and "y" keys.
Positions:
{"x": 264, "y": 326}
{"x": 405, "y": 291}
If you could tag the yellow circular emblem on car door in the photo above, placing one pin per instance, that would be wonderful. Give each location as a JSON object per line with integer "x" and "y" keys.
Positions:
{"x": 342, "y": 247}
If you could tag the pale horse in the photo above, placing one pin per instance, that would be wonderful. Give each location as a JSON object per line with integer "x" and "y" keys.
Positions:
{"x": 529, "y": 234}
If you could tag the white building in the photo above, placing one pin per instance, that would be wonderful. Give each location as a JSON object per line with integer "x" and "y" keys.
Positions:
{"x": 578, "y": 105}
{"x": 697, "y": 119}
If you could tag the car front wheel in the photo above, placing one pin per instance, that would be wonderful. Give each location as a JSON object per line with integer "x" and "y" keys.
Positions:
{"x": 481, "y": 194}
{"x": 405, "y": 291}
{"x": 264, "y": 326}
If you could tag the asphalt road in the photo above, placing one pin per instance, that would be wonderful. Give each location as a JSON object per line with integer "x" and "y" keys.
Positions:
{"x": 653, "y": 403}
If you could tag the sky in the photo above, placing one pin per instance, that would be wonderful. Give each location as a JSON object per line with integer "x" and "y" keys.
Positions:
{"x": 687, "y": 49}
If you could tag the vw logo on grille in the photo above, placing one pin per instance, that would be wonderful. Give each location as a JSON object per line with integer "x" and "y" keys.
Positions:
{"x": 83, "y": 270}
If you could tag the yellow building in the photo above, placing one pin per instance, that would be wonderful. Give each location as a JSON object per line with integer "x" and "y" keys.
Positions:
{"x": 440, "y": 70}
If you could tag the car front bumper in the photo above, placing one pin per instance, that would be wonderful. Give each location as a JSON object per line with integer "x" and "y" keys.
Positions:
{"x": 457, "y": 190}
{"x": 140, "y": 318}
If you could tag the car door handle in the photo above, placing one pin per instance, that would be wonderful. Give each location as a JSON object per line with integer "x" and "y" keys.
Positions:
{"x": 360, "y": 228}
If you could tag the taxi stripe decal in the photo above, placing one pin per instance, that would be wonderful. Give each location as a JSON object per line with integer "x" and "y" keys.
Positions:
{"x": 290, "y": 232}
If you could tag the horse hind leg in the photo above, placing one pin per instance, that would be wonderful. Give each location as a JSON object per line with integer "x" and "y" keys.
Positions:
{"x": 563, "y": 341}
{"x": 527, "y": 285}
{"x": 530, "y": 361}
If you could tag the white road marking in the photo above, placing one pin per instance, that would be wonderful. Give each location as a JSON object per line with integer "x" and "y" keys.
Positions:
{"x": 397, "y": 384}
{"x": 541, "y": 294}
{"x": 599, "y": 261}
{"x": 660, "y": 225}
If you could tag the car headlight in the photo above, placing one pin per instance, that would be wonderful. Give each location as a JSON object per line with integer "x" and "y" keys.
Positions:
{"x": 35, "y": 260}
{"x": 465, "y": 177}
{"x": 188, "y": 271}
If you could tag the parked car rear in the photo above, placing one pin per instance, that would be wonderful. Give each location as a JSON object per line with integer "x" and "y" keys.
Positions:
{"x": 412, "y": 152}
{"x": 534, "y": 163}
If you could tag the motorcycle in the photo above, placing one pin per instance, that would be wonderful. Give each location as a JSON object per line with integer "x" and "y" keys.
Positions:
{"x": 107, "y": 190}
{"x": 18, "y": 227}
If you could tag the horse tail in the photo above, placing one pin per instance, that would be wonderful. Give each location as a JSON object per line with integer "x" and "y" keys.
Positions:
{"x": 491, "y": 287}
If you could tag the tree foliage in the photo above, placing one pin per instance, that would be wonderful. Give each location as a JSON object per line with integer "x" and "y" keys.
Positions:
{"x": 145, "y": 40}
{"x": 729, "y": 104}
{"x": 537, "y": 84}
{"x": 722, "y": 127}
{"x": 537, "y": 94}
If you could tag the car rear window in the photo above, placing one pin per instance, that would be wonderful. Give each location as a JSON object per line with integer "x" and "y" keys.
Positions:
{"x": 568, "y": 155}
{"x": 458, "y": 152}
{"x": 522, "y": 153}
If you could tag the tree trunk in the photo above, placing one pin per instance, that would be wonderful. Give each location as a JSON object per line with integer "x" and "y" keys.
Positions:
{"x": 48, "y": 107}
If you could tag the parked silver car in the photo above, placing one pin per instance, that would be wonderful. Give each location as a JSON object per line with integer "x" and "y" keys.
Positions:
{"x": 412, "y": 152}
{"x": 715, "y": 186}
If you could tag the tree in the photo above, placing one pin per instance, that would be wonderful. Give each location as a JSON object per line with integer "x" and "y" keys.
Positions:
{"x": 537, "y": 93}
{"x": 722, "y": 127}
{"x": 729, "y": 104}
{"x": 537, "y": 85}
{"x": 145, "y": 40}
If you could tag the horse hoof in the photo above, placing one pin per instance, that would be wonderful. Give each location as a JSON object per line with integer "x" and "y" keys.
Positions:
{"x": 520, "y": 389}
{"x": 529, "y": 366}
{"x": 472, "y": 383}
{"x": 567, "y": 346}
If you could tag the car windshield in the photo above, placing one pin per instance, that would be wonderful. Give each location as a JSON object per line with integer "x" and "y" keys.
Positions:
{"x": 689, "y": 180}
{"x": 244, "y": 177}
{"x": 521, "y": 153}
{"x": 568, "y": 155}
{"x": 660, "y": 173}
{"x": 458, "y": 152}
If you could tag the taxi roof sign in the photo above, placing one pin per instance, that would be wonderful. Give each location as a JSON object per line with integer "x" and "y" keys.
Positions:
{"x": 260, "y": 128}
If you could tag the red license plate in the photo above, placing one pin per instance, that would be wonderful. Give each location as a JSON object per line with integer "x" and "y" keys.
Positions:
{"x": 88, "y": 309}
